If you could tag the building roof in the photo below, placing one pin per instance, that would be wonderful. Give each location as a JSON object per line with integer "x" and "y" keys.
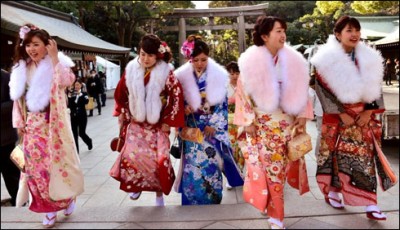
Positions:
{"x": 60, "y": 25}
{"x": 377, "y": 27}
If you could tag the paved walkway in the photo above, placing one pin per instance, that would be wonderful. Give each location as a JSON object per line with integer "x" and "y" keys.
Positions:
{"x": 104, "y": 206}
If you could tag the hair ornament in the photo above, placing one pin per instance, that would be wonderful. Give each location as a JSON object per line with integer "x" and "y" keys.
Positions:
{"x": 187, "y": 49}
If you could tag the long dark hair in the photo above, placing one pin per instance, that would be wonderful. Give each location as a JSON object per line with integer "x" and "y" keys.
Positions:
{"x": 263, "y": 26}
{"x": 20, "y": 52}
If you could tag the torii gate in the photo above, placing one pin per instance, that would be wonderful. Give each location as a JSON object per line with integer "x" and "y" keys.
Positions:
{"x": 240, "y": 12}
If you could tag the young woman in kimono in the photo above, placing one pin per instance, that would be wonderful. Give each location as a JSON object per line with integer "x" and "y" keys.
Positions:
{"x": 204, "y": 83}
{"x": 234, "y": 73}
{"x": 348, "y": 79}
{"x": 150, "y": 99}
{"x": 38, "y": 81}
{"x": 271, "y": 101}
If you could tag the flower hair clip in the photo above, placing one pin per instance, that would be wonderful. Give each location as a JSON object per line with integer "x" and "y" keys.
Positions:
{"x": 187, "y": 49}
{"x": 23, "y": 31}
{"x": 163, "y": 48}
{"x": 26, "y": 29}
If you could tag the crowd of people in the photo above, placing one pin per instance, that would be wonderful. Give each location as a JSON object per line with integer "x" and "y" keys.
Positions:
{"x": 234, "y": 120}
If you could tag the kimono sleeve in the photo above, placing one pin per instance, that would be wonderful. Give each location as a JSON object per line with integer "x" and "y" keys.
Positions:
{"x": 173, "y": 114}
{"x": 120, "y": 96}
{"x": 244, "y": 112}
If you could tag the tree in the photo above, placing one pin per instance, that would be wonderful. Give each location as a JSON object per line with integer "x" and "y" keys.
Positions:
{"x": 373, "y": 7}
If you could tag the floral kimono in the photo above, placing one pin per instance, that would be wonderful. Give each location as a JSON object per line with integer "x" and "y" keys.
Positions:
{"x": 348, "y": 158}
{"x": 52, "y": 166}
{"x": 203, "y": 163}
{"x": 152, "y": 99}
{"x": 269, "y": 96}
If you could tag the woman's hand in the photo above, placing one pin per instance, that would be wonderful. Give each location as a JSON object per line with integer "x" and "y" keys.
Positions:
{"x": 188, "y": 110}
{"x": 299, "y": 124}
{"x": 347, "y": 119}
{"x": 21, "y": 132}
{"x": 250, "y": 130}
{"x": 52, "y": 50}
{"x": 165, "y": 128}
{"x": 363, "y": 118}
{"x": 209, "y": 131}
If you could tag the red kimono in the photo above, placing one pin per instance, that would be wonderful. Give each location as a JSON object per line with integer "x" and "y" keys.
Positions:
{"x": 152, "y": 99}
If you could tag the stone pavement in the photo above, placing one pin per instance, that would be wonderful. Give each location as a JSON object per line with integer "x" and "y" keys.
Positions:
{"x": 104, "y": 206}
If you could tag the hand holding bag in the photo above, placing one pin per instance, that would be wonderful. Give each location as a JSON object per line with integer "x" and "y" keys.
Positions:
{"x": 118, "y": 142}
{"x": 299, "y": 145}
{"x": 90, "y": 104}
{"x": 17, "y": 156}
{"x": 192, "y": 134}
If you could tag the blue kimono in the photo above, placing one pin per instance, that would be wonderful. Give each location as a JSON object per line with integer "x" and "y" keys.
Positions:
{"x": 203, "y": 164}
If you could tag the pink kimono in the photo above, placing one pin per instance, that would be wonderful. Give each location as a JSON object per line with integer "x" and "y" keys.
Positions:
{"x": 270, "y": 100}
{"x": 52, "y": 165}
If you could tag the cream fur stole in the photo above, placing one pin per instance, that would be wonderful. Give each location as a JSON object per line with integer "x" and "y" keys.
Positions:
{"x": 260, "y": 79}
{"x": 38, "y": 94}
{"x": 216, "y": 84}
{"x": 145, "y": 102}
{"x": 349, "y": 83}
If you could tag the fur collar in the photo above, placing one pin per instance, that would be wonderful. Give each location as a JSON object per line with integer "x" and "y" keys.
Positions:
{"x": 38, "y": 93}
{"x": 145, "y": 102}
{"x": 216, "y": 84}
{"x": 260, "y": 79}
{"x": 351, "y": 84}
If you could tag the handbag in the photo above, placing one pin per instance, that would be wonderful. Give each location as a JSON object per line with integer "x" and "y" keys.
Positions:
{"x": 192, "y": 134}
{"x": 118, "y": 142}
{"x": 90, "y": 104}
{"x": 299, "y": 145}
{"x": 18, "y": 157}
{"x": 175, "y": 151}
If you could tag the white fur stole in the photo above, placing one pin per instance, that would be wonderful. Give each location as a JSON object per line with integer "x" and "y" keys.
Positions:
{"x": 216, "y": 84}
{"x": 145, "y": 102}
{"x": 260, "y": 79}
{"x": 351, "y": 84}
{"x": 38, "y": 94}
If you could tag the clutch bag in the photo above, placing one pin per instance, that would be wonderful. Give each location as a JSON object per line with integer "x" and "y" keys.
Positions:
{"x": 18, "y": 158}
{"x": 299, "y": 146}
{"x": 191, "y": 134}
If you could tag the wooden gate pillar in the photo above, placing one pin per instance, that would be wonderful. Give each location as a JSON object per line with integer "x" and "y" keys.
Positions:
{"x": 241, "y": 33}
{"x": 182, "y": 38}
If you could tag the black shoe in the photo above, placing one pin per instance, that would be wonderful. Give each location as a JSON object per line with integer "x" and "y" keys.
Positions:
{"x": 90, "y": 145}
{"x": 103, "y": 105}
{"x": 99, "y": 114}
{"x": 90, "y": 115}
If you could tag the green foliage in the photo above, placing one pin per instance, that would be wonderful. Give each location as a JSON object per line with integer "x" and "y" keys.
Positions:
{"x": 373, "y": 7}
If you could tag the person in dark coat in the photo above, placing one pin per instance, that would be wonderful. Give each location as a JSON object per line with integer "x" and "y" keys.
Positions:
{"x": 103, "y": 80}
{"x": 9, "y": 137}
{"x": 95, "y": 89}
{"x": 76, "y": 103}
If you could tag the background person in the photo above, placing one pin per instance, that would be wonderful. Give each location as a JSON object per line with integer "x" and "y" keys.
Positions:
{"x": 271, "y": 101}
{"x": 40, "y": 77}
{"x": 76, "y": 102}
{"x": 234, "y": 73}
{"x": 95, "y": 89}
{"x": 349, "y": 76}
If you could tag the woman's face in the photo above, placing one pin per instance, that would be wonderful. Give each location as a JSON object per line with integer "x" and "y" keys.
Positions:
{"x": 276, "y": 38}
{"x": 147, "y": 60}
{"x": 234, "y": 77}
{"x": 78, "y": 86}
{"x": 36, "y": 49}
{"x": 200, "y": 62}
{"x": 349, "y": 37}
